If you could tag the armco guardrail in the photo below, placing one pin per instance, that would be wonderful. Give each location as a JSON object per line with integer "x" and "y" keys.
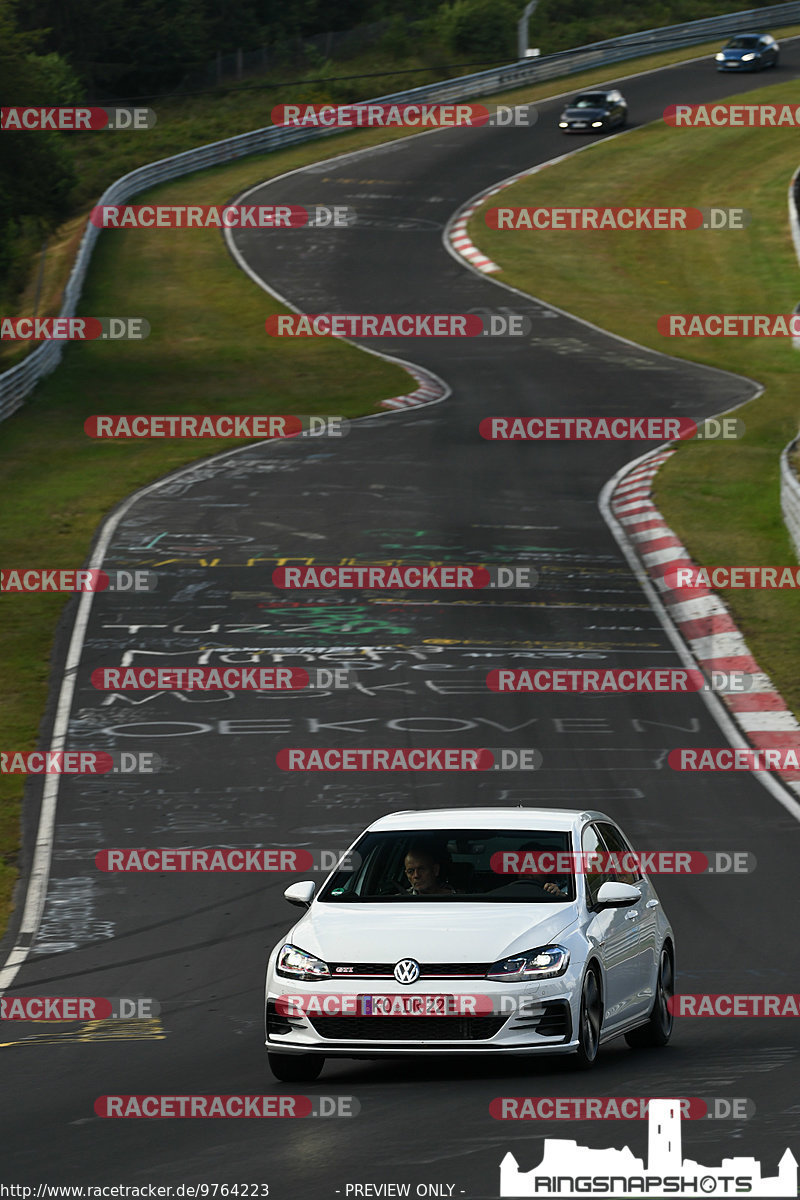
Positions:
{"x": 19, "y": 381}
{"x": 790, "y": 496}
{"x": 790, "y": 485}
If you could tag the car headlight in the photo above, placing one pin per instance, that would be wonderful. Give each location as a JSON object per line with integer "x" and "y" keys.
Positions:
{"x": 748, "y": 57}
{"x": 296, "y": 964}
{"x": 720, "y": 57}
{"x": 597, "y": 124}
{"x": 563, "y": 124}
{"x": 543, "y": 963}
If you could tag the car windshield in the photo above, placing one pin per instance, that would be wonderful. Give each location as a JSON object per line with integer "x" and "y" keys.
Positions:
{"x": 590, "y": 100}
{"x": 742, "y": 43}
{"x": 463, "y": 866}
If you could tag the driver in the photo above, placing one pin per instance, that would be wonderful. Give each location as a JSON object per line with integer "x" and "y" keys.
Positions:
{"x": 551, "y": 887}
{"x": 422, "y": 873}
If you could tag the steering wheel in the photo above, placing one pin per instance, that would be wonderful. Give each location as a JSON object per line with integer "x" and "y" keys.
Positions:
{"x": 528, "y": 883}
{"x": 391, "y": 888}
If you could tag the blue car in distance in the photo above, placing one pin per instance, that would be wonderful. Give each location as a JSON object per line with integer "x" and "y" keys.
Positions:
{"x": 748, "y": 52}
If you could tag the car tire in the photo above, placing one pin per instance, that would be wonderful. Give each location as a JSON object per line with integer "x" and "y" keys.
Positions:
{"x": 775, "y": 61}
{"x": 658, "y": 1029}
{"x": 296, "y": 1068}
{"x": 590, "y": 1021}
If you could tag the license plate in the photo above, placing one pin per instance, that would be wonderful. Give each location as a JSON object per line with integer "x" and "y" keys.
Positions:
{"x": 579, "y": 124}
{"x": 407, "y": 1006}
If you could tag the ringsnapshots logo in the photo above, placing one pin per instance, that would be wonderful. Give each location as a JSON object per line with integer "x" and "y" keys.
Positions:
{"x": 570, "y": 1170}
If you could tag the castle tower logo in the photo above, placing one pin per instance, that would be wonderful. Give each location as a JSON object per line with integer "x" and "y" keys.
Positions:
{"x": 568, "y": 1170}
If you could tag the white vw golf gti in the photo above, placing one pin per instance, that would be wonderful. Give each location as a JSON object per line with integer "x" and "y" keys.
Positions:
{"x": 481, "y": 930}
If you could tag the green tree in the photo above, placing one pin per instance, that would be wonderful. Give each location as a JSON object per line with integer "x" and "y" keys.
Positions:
{"x": 36, "y": 176}
{"x": 482, "y": 29}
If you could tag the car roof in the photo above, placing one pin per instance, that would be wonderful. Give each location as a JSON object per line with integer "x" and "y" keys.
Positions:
{"x": 558, "y": 819}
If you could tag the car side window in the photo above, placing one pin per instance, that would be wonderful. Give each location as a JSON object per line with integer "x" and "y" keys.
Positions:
{"x": 591, "y": 843}
{"x": 617, "y": 844}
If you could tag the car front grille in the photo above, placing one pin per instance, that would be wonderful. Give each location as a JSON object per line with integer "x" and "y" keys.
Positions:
{"x": 408, "y": 1029}
{"x": 427, "y": 970}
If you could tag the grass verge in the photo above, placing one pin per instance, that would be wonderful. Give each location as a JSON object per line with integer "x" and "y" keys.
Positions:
{"x": 722, "y": 499}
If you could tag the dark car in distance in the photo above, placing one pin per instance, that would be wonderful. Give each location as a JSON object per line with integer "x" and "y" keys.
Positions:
{"x": 748, "y": 52}
{"x": 594, "y": 112}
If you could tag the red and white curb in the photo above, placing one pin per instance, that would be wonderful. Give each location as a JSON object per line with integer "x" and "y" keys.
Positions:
{"x": 456, "y": 237}
{"x": 702, "y": 619}
{"x": 430, "y": 388}
{"x": 462, "y": 243}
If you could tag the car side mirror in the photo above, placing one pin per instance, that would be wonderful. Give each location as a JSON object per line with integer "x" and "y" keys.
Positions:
{"x": 617, "y": 895}
{"x": 301, "y": 894}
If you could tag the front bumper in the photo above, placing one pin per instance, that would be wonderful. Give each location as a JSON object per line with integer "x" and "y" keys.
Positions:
{"x": 573, "y": 127}
{"x": 524, "y": 1019}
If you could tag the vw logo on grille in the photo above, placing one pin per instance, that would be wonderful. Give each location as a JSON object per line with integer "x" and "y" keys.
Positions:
{"x": 407, "y": 970}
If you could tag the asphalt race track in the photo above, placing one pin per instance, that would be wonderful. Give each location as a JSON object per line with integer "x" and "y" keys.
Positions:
{"x": 407, "y": 484}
